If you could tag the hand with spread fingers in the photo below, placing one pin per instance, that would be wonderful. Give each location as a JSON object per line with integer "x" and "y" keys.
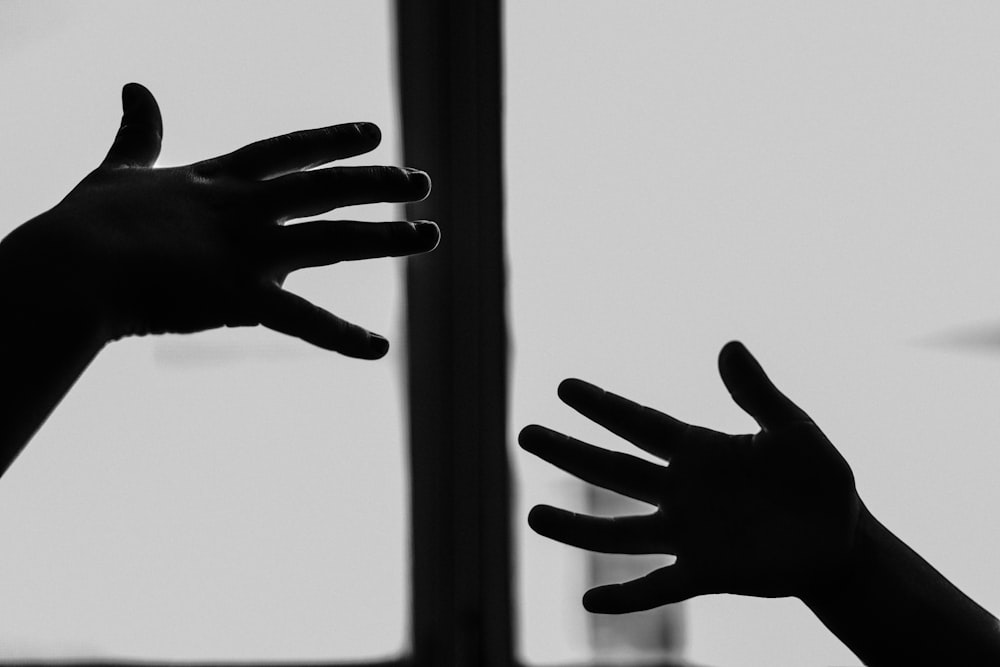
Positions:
{"x": 770, "y": 514}
{"x": 135, "y": 250}
{"x": 146, "y": 250}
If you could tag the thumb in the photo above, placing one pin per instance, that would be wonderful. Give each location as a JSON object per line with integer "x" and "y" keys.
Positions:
{"x": 137, "y": 143}
{"x": 753, "y": 391}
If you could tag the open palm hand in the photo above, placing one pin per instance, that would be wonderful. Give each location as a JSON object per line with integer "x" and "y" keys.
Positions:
{"x": 770, "y": 514}
{"x": 151, "y": 250}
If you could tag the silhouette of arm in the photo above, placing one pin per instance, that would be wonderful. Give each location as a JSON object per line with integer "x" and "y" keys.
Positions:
{"x": 772, "y": 514}
{"x": 134, "y": 250}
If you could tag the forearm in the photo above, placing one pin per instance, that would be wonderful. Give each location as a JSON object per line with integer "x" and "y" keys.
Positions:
{"x": 45, "y": 345}
{"x": 892, "y": 608}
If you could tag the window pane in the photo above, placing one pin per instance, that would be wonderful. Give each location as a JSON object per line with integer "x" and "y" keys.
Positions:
{"x": 235, "y": 495}
{"x": 817, "y": 180}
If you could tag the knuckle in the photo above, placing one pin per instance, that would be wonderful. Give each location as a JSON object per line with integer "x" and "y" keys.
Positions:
{"x": 384, "y": 173}
{"x": 401, "y": 231}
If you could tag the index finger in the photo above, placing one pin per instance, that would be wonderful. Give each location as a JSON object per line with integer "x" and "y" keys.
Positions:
{"x": 296, "y": 151}
{"x": 615, "y": 471}
{"x": 646, "y": 428}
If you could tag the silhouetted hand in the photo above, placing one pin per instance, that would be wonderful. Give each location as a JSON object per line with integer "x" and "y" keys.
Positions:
{"x": 771, "y": 514}
{"x": 142, "y": 250}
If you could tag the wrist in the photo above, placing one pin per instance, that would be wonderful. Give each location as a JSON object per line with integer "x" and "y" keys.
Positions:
{"x": 850, "y": 572}
{"x": 46, "y": 293}
{"x": 47, "y": 340}
{"x": 892, "y": 607}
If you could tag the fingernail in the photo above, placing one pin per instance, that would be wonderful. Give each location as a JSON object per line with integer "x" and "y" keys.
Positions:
{"x": 524, "y": 437}
{"x": 571, "y": 386}
{"x": 426, "y": 231}
{"x": 536, "y": 518}
{"x": 379, "y": 344}
{"x": 369, "y": 130}
{"x": 130, "y": 97}
{"x": 533, "y": 436}
{"x": 590, "y": 603}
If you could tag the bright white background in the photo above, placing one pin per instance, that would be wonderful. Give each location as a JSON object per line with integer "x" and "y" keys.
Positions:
{"x": 819, "y": 180}
{"x": 234, "y": 495}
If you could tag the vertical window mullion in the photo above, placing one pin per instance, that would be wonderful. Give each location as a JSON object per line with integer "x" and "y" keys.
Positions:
{"x": 450, "y": 84}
